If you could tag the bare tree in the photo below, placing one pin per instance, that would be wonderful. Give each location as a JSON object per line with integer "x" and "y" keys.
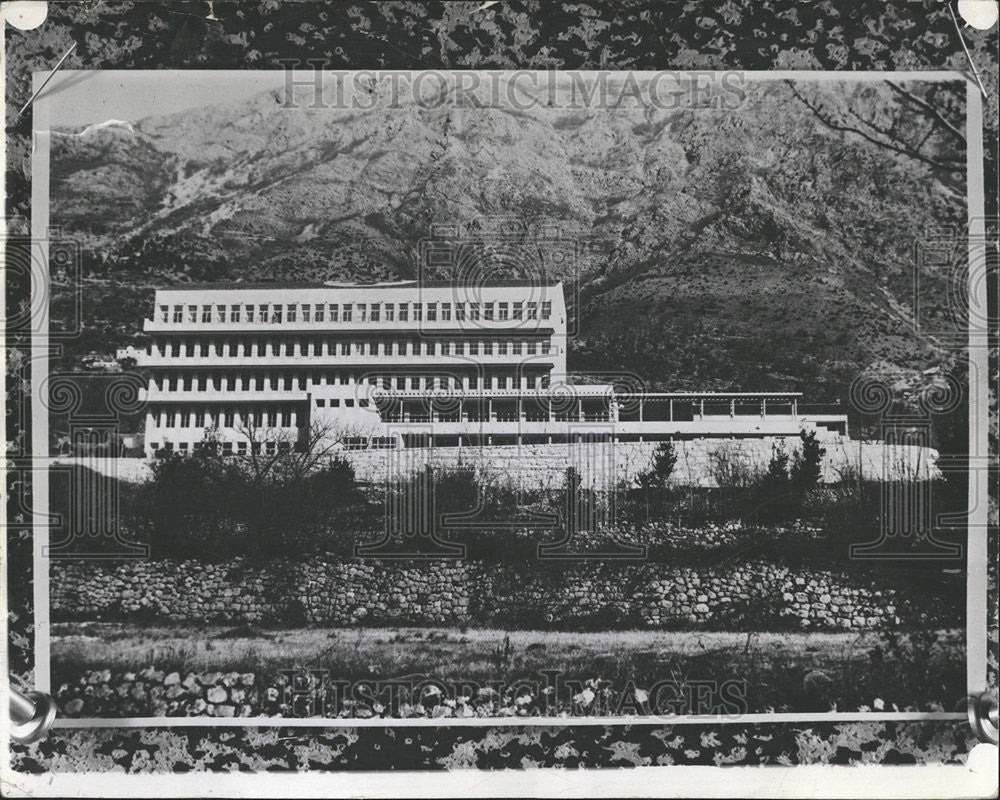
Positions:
{"x": 282, "y": 454}
{"x": 923, "y": 123}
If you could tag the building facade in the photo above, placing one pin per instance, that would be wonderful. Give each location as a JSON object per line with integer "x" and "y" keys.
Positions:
{"x": 406, "y": 365}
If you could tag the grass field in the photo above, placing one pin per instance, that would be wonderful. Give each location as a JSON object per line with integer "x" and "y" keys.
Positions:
{"x": 786, "y": 671}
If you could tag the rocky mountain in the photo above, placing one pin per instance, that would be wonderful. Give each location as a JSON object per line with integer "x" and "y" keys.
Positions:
{"x": 766, "y": 246}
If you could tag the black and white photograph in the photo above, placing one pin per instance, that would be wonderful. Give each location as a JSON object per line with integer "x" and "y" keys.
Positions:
{"x": 497, "y": 395}
{"x": 452, "y": 398}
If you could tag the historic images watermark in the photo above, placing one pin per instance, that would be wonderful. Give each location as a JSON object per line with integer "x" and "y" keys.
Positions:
{"x": 311, "y": 85}
{"x": 320, "y": 693}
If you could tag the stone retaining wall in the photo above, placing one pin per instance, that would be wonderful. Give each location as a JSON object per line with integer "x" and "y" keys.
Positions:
{"x": 605, "y": 465}
{"x": 602, "y": 465}
{"x": 564, "y": 595}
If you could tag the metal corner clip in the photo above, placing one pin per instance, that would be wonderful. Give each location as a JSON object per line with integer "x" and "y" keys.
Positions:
{"x": 31, "y": 715}
{"x": 983, "y": 717}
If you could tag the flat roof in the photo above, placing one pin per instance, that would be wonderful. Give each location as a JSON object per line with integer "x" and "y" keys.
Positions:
{"x": 407, "y": 284}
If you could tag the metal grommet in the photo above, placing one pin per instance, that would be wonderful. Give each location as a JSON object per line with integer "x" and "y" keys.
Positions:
{"x": 982, "y": 710}
{"x": 31, "y": 715}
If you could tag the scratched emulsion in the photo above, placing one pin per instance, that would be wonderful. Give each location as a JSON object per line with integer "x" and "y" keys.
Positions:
{"x": 733, "y": 35}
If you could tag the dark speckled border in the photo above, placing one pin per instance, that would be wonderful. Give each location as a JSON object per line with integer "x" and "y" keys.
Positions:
{"x": 746, "y": 34}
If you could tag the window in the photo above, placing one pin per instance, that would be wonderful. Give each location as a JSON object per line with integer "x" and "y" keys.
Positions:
{"x": 531, "y": 348}
{"x": 292, "y": 312}
{"x": 321, "y": 404}
{"x": 234, "y": 313}
{"x": 306, "y": 312}
{"x": 515, "y": 310}
{"x": 164, "y": 313}
{"x": 376, "y": 312}
{"x": 474, "y": 311}
{"x": 220, "y": 313}
{"x": 362, "y": 312}
{"x": 348, "y": 402}
{"x": 473, "y": 348}
{"x": 334, "y": 312}
{"x": 418, "y": 312}
{"x": 347, "y": 312}
{"x": 445, "y": 312}
{"x": 404, "y": 312}
{"x": 250, "y": 313}
{"x": 515, "y": 348}
{"x": 487, "y": 348}
{"x": 276, "y": 313}
{"x": 228, "y": 418}
{"x": 432, "y": 312}
{"x": 319, "y": 312}
{"x": 488, "y": 311}
{"x": 546, "y": 309}
{"x": 546, "y": 347}
{"x": 178, "y": 313}
{"x": 502, "y": 382}
{"x": 206, "y": 313}
{"x": 199, "y": 419}
{"x": 390, "y": 312}
{"x": 192, "y": 313}
{"x": 532, "y": 311}
{"x": 501, "y": 348}
{"x": 502, "y": 312}
{"x": 345, "y": 348}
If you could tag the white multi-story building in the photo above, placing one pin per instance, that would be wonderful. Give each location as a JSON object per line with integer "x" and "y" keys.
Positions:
{"x": 403, "y": 365}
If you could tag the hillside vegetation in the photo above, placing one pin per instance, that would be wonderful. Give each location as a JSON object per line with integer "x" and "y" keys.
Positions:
{"x": 766, "y": 247}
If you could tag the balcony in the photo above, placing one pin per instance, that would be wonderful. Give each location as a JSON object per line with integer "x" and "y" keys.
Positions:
{"x": 545, "y": 326}
{"x": 345, "y": 360}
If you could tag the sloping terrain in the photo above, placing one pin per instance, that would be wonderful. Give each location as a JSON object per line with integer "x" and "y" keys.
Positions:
{"x": 755, "y": 248}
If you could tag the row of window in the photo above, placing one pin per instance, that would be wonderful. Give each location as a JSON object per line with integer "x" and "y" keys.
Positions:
{"x": 226, "y": 448}
{"x": 263, "y": 348}
{"x": 298, "y": 382}
{"x": 242, "y": 447}
{"x": 229, "y": 417}
{"x": 278, "y": 313}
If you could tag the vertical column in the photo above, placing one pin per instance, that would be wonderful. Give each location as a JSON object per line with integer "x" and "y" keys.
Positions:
{"x": 670, "y": 404}
{"x": 732, "y": 408}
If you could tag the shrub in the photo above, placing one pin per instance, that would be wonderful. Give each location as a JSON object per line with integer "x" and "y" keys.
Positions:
{"x": 806, "y": 469}
{"x": 664, "y": 461}
{"x": 209, "y": 507}
{"x": 729, "y": 468}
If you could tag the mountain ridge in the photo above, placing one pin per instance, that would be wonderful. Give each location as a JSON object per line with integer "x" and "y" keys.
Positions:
{"x": 711, "y": 248}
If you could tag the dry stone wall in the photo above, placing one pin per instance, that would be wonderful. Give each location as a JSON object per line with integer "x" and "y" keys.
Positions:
{"x": 584, "y": 596}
